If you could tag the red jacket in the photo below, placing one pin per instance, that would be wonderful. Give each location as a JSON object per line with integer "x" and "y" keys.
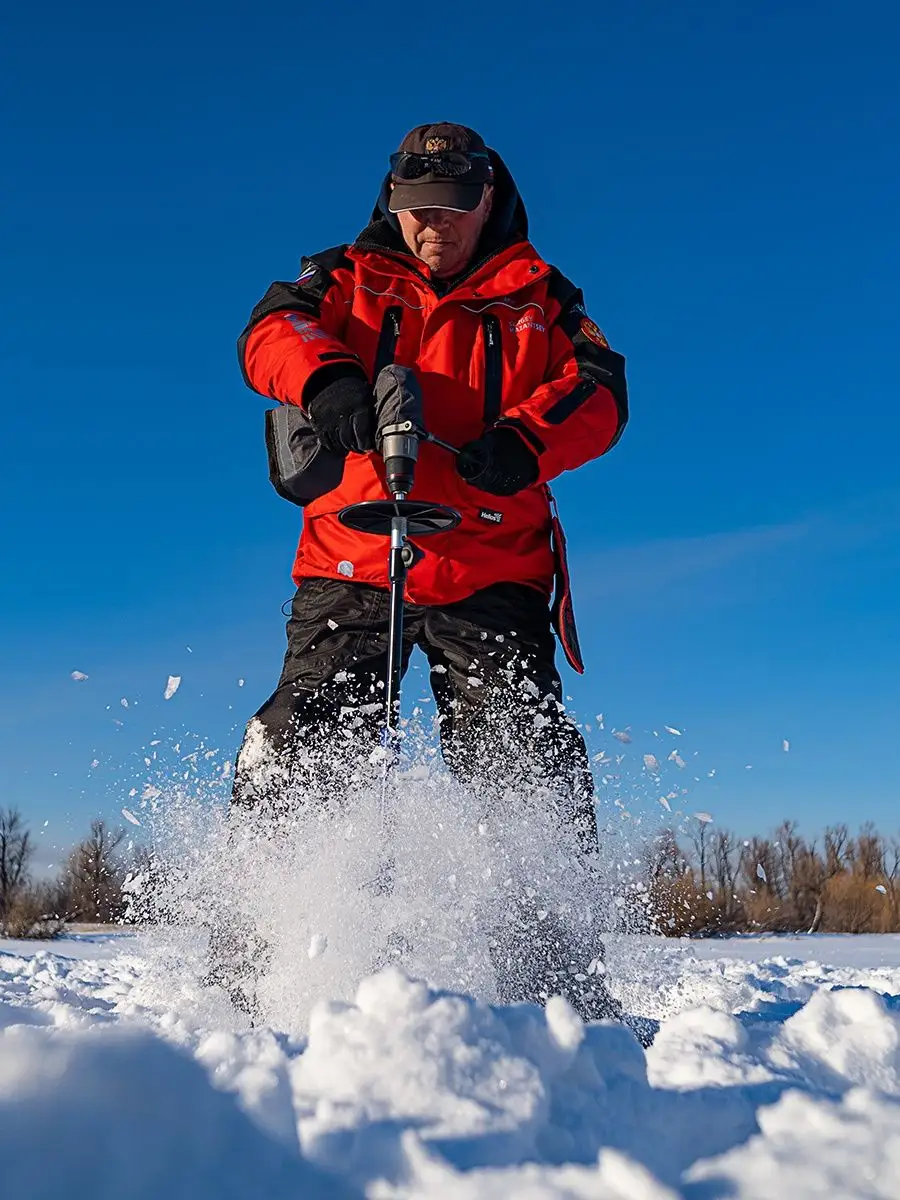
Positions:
{"x": 508, "y": 343}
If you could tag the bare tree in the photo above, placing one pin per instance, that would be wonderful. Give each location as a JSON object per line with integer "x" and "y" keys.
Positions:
{"x": 16, "y": 849}
{"x": 94, "y": 875}
{"x": 892, "y": 878}
{"x": 727, "y": 857}
{"x": 665, "y": 858}
{"x": 698, "y": 841}
{"x": 836, "y": 844}
{"x": 868, "y": 851}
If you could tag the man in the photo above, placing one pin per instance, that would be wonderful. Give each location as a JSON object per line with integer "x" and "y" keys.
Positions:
{"x": 443, "y": 280}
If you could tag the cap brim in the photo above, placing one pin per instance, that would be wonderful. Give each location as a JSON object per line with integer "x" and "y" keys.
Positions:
{"x": 460, "y": 197}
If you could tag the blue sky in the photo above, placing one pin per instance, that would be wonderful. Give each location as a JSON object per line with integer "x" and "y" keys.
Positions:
{"x": 722, "y": 180}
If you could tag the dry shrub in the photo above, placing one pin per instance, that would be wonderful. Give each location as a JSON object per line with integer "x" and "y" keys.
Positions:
{"x": 34, "y": 915}
{"x": 852, "y": 905}
{"x": 678, "y": 909}
{"x": 764, "y": 910}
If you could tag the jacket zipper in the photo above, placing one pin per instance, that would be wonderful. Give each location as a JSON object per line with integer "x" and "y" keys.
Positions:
{"x": 387, "y": 339}
{"x": 493, "y": 368}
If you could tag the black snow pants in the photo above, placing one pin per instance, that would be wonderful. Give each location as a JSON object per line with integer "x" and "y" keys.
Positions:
{"x": 492, "y": 672}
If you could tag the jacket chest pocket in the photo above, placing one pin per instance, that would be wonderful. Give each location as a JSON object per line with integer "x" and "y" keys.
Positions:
{"x": 493, "y": 367}
{"x": 387, "y": 339}
{"x": 515, "y": 361}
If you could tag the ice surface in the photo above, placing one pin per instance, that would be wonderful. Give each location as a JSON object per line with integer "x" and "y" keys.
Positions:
{"x": 776, "y": 1072}
{"x": 380, "y": 1064}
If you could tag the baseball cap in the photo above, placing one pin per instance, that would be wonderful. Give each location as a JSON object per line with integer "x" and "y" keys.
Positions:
{"x": 453, "y": 181}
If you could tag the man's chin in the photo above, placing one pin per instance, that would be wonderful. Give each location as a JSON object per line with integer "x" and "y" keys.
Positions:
{"x": 444, "y": 265}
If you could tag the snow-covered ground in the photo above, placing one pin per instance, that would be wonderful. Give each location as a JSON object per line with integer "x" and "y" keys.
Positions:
{"x": 775, "y": 1073}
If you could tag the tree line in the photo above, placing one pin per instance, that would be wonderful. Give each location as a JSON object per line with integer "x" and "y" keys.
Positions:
{"x": 89, "y": 887}
{"x": 711, "y": 882}
{"x": 706, "y": 882}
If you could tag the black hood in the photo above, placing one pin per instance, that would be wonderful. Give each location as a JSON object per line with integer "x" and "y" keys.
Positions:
{"x": 508, "y": 222}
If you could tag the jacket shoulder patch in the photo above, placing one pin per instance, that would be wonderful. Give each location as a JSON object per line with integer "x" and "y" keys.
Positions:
{"x": 593, "y": 332}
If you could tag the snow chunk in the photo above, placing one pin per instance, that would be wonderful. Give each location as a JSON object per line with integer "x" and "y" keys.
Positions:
{"x": 172, "y": 687}
{"x": 135, "y": 1116}
{"x": 79, "y": 676}
{"x": 129, "y": 816}
{"x": 651, "y": 762}
{"x": 810, "y": 1147}
{"x": 565, "y": 1025}
{"x": 448, "y": 1067}
{"x": 615, "y": 1177}
{"x": 318, "y": 944}
{"x": 702, "y": 1047}
{"x": 843, "y": 1038}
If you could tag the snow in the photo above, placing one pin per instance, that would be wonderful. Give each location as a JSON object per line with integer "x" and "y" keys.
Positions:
{"x": 775, "y": 1072}
{"x": 318, "y": 944}
{"x": 172, "y": 685}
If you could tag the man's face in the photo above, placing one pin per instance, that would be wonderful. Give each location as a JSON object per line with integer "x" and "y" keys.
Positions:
{"x": 443, "y": 239}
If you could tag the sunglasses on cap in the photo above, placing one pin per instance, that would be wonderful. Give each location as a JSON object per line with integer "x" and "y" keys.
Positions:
{"x": 448, "y": 164}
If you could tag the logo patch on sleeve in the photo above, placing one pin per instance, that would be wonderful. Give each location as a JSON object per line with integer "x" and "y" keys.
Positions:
{"x": 594, "y": 333}
{"x": 308, "y": 331}
{"x": 491, "y": 514}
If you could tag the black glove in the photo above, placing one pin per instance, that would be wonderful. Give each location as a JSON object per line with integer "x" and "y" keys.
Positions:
{"x": 342, "y": 415}
{"x": 499, "y": 462}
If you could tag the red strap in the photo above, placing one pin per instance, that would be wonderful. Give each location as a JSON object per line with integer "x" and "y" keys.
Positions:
{"x": 562, "y": 613}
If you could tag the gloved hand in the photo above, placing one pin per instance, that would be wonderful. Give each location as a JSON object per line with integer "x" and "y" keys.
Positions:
{"x": 499, "y": 462}
{"x": 343, "y": 416}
